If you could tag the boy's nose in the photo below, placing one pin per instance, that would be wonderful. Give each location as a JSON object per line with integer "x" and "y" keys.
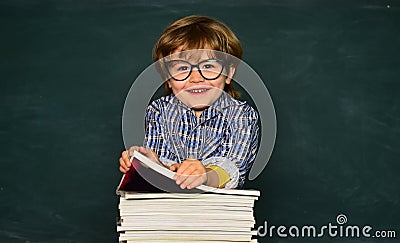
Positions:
{"x": 195, "y": 76}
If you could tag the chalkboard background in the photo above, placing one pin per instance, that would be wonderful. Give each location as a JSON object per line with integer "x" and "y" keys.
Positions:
{"x": 331, "y": 67}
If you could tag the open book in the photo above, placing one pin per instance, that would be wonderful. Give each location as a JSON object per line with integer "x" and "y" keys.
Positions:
{"x": 148, "y": 176}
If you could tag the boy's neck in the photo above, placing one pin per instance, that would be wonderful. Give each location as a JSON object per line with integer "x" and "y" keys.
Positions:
{"x": 198, "y": 113}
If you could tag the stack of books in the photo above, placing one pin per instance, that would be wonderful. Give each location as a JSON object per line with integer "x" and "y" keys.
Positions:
{"x": 204, "y": 214}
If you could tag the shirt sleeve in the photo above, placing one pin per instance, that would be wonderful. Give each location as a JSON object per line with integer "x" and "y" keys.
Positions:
{"x": 227, "y": 165}
{"x": 153, "y": 138}
{"x": 240, "y": 148}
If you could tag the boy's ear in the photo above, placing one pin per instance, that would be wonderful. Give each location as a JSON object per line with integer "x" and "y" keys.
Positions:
{"x": 169, "y": 83}
{"x": 230, "y": 75}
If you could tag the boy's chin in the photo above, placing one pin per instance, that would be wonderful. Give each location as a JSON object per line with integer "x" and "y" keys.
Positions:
{"x": 198, "y": 104}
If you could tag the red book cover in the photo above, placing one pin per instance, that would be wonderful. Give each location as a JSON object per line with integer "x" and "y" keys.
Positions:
{"x": 141, "y": 178}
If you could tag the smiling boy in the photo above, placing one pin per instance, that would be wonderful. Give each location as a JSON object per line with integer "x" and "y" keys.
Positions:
{"x": 199, "y": 129}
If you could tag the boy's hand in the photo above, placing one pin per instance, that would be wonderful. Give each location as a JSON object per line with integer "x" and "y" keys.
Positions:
{"x": 125, "y": 159}
{"x": 149, "y": 154}
{"x": 190, "y": 173}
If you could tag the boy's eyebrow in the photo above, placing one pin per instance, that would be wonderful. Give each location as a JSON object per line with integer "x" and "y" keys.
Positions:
{"x": 188, "y": 60}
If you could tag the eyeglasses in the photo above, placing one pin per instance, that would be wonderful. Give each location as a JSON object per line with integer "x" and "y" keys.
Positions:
{"x": 180, "y": 70}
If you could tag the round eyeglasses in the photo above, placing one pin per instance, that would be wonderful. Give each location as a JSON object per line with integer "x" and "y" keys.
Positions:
{"x": 180, "y": 70}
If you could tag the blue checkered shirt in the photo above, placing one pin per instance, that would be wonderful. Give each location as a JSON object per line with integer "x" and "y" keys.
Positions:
{"x": 225, "y": 134}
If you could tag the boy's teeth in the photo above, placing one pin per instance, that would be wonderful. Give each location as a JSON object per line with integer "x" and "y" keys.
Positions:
{"x": 197, "y": 90}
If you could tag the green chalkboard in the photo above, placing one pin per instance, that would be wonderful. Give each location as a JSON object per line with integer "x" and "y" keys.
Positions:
{"x": 332, "y": 69}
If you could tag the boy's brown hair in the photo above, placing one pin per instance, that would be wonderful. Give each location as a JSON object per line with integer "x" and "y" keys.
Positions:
{"x": 198, "y": 32}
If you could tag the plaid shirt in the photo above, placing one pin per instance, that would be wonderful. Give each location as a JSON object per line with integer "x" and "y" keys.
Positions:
{"x": 226, "y": 134}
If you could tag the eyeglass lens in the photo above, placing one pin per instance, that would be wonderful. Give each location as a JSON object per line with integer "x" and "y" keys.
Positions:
{"x": 181, "y": 69}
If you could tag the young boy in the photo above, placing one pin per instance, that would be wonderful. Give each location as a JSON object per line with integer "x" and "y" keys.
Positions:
{"x": 204, "y": 134}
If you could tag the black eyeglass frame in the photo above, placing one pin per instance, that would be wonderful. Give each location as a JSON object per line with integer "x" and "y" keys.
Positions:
{"x": 194, "y": 66}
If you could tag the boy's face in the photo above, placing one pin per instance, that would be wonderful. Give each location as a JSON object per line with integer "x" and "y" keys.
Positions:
{"x": 198, "y": 78}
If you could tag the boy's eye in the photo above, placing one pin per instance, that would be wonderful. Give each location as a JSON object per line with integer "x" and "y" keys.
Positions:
{"x": 178, "y": 67}
{"x": 210, "y": 65}
{"x": 182, "y": 68}
{"x": 207, "y": 66}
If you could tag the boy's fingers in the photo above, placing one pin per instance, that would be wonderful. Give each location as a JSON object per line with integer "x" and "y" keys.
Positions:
{"x": 154, "y": 155}
{"x": 144, "y": 150}
{"x": 174, "y": 167}
{"x": 197, "y": 182}
{"x": 122, "y": 169}
{"x": 184, "y": 175}
{"x": 121, "y": 161}
{"x": 132, "y": 149}
{"x": 125, "y": 164}
{"x": 128, "y": 163}
{"x": 188, "y": 180}
{"x": 186, "y": 171}
{"x": 124, "y": 154}
{"x": 182, "y": 168}
{"x": 193, "y": 181}
{"x": 149, "y": 153}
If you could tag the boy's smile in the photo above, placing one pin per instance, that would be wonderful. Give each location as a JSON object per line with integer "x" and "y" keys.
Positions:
{"x": 199, "y": 91}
